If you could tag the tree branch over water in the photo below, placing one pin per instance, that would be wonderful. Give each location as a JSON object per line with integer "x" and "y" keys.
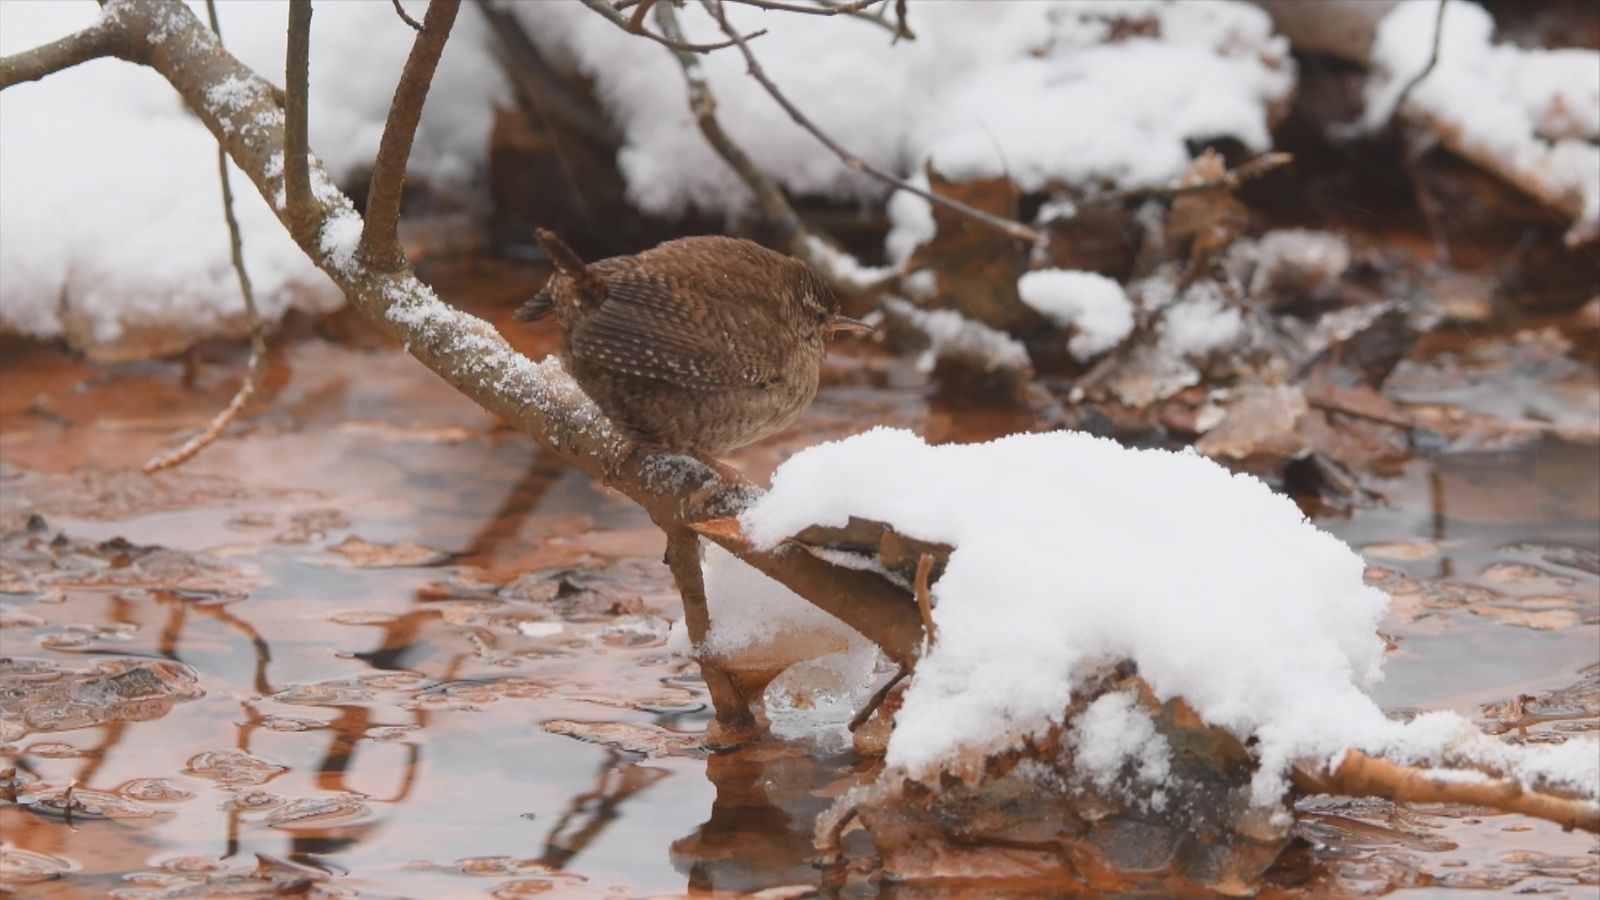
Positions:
{"x": 538, "y": 399}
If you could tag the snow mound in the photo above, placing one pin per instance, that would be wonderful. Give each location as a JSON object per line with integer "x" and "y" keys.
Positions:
{"x": 1533, "y": 115}
{"x": 1042, "y": 92}
{"x": 1073, "y": 551}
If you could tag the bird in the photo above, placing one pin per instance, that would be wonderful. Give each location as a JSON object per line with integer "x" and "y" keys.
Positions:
{"x": 700, "y": 345}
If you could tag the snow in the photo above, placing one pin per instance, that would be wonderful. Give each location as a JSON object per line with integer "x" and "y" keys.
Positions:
{"x": 955, "y": 337}
{"x": 1536, "y": 112}
{"x": 1090, "y": 302}
{"x": 112, "y": 221}
{"x": 1072, "y": 552}
{"x": 1043, "y": 92}
{"x": 1201, "y": 321}
{"x": 1114, "y": 731}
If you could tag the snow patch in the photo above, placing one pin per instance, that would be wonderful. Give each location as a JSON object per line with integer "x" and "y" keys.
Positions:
{"x": 1091, "y": 303}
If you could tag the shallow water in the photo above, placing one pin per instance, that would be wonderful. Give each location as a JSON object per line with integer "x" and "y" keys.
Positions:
{"x": 389, "y": 709}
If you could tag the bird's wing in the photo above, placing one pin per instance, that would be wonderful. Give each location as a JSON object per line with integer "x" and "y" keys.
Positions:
{"x": 697, "y": 336}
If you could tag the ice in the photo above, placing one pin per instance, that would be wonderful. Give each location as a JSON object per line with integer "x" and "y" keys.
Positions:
{"x": 1073, "y": 551}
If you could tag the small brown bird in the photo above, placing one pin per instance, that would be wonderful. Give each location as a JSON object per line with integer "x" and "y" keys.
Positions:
{"x": 699, "y": 345}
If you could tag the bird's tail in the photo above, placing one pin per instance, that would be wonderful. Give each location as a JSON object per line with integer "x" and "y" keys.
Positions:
{"x": 567, "y": 263}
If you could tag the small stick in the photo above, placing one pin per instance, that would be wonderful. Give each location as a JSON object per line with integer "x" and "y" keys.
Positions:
{"x": 924, "y": 598}
{"x": 258, "y": 340}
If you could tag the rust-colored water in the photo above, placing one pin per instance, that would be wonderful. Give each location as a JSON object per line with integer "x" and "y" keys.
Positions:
{"x": 432, "y": 657}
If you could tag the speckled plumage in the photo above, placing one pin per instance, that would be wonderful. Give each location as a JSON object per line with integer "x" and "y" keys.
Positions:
{"x": 699, "y": 345}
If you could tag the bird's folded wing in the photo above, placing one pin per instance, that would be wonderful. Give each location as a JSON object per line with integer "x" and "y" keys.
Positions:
{"x": 647, "y": 329}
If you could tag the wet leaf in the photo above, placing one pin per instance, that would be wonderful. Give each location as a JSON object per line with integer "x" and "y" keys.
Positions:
{"x": 627, "y": 737}
{"x": 368, "y": 555}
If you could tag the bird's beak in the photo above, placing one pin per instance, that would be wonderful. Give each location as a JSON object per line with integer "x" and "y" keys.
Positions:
{"x": 844, "y": 323}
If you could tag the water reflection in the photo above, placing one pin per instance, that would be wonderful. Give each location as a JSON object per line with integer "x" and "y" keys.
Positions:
{"x": 394, "y": 714}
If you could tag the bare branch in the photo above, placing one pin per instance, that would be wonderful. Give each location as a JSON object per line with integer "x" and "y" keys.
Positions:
{"x": 31, "y": 65}
{"x": 1361, "y": 775}
{"x": 774, "y": 207}
{"x": 296, "y": 139}
{"x": 380, "y": 242}
{"x": 855, "y": 163}
{"x": 405, "y": 16}
{"x": 258, "y": 340}
{"x": 610, "y": 13}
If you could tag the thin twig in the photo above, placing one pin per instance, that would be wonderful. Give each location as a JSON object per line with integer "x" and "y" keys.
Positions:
{"x": 405, "y": 16}
{"x": 296, "y": 141}
{"x": 877, "y": 698}
{"x": 610, "y": 13}
{"x": 380, "y": 242}
{"x": 851, "y": 161}
{"x": 258, "y": 340}
{"x": 924, "y": 597}
{"x": 843, "y": 9}
{"x": 1433, "y": 59}
{"x": 1230, "y": 180}
{"x": 775, "y": 209}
